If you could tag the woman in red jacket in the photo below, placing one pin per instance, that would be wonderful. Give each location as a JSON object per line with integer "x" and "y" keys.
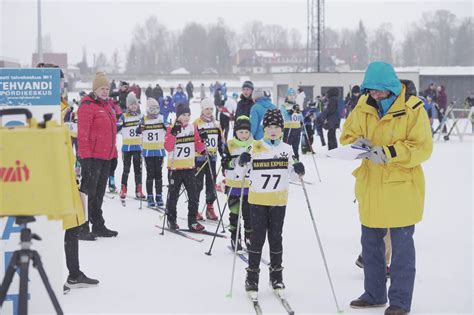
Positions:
{"x": 96, "y": 141}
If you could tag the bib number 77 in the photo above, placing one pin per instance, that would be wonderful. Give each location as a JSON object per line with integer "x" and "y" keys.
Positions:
{"x": 267, "y": 180}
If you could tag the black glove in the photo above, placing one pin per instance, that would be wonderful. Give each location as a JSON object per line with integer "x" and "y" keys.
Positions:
{"x": 138, "y": 131}
{"x": 225, "y": 162}
{"x": 176, "y": 129}
{"x": 299, "y": 168}
{"x": 244, "y": 158}
{"x": 203, "y": 135}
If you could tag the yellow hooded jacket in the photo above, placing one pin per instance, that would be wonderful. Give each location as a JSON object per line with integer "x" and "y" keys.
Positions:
{"x": 392, "y": 194}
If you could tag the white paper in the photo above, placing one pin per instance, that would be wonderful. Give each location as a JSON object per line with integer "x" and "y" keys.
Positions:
{"x": 347, "y": 152}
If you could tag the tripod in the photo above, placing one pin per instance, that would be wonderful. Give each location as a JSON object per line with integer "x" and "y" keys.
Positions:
{"x": 20, "y": 260}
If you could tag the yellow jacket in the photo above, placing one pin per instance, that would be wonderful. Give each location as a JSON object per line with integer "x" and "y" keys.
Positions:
{"x": 392, "y": 194}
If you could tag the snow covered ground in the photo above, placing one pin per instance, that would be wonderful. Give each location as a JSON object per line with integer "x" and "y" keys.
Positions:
{"x": 142, "y": 271}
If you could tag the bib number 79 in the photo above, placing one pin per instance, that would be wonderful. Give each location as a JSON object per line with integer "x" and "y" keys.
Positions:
{"x": 267, "y": 180}
{"x": 185, "y": 152}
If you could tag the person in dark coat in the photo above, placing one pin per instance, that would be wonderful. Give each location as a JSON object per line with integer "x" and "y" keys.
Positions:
{"x": 431, "y": 90}
{"x": 352, "y": 99}
{"x": 122, "y": 95}
{"x": 246, "y": 101}
{"x": 190, "y": 89}
{"x": 442, "y": 99}
{"x": 157, "y": 92}
{"x": 149, "y": 92}
{"x": 330, "y": 117}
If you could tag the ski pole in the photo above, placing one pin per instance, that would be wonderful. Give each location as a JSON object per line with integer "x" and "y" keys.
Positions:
{"x": 208, "y": 253}
{"x": 238, "y": 230}
{"x": 312, "y": 152}
{"x": 319, "y": 243}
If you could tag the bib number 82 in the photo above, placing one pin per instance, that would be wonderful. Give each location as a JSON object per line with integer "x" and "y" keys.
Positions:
{"x": 267, "y": 180}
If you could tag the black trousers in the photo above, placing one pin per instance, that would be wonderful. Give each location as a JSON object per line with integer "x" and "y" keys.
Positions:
{"x": 266, "y": 219}
{"x": 71, "y": 248}
{"x": 136, "y": 156}
{"x": 210, "y": 184}
{"x": 332, "y": 140}
{"x": 113, "y": 166}
{"x": 292, "y": 136}
{"x": 176, "y": 179}
{"x": 225, "y": 125}
{"x": 234, "y": 208}
{"x": 319, "y": 130}
{"x": 94, "y": 174}
{"x": 154, "y": 174}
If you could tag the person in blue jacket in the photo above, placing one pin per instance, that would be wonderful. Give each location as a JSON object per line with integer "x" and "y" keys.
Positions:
{"x": 180, "y": 97}
{"x": 166, "y": 106}
{"x": 258, "y": 110}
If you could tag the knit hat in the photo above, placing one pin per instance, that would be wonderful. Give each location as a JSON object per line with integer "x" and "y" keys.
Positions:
{"x": 273, "y": 117}
{"x": 207, "y": 103}
{"x": 355, "y": 89}
{"x": 248, "y": 84}
{"x": 242, "y": 123}
{"x": 258, "y": 93}
{"x": 152, "y": 107}
{"x": 182, "y": 109}
{"x": 99, "y": 81}
{"x": 131, "y": 99}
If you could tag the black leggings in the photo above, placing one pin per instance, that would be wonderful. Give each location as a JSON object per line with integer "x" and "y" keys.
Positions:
{"x": 210, "y": 188}
{"x": 263, "y": 219}
{"x": 176, "y": 179}
{"x": 154, "y": 174}
{"x": 71, "y": 248}
{"x": 137, "y": 166}
{"x": 113, "y": 166}
{"x": 332, "y": 140}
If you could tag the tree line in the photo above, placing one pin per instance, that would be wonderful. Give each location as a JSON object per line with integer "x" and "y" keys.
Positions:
{"x": 438, "y": 39}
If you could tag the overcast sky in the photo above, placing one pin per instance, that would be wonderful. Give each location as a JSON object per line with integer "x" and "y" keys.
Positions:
{"x": 107, "y": 25}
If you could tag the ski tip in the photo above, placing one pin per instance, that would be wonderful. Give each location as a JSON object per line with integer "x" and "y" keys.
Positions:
{"x": 228, "y": 295}
{"x": 340, "y": 311}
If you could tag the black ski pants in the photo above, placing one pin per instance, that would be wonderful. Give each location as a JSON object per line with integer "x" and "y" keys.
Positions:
{"x": 210, "y": 184}
{"x": 154, "y": 174}
{"x": 266, "y": 219}
{"x": 113, "y": 166}
{"x": 94, "y": 173}
{"x": 225, "y": 125}
{"x": 137, "y": 166}
{"x": 71, "y": 248}
{"x": 188, "y": 179}
{"x": 332, "y": 140}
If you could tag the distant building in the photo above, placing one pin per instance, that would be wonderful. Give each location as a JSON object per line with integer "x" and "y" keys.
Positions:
{"x": 9, "y": 63}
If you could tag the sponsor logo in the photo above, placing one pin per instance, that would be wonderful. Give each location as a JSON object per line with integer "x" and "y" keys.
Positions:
{"x": 18, "y": 173}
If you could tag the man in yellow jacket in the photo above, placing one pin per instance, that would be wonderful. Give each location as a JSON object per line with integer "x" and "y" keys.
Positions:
{"x": 390, "y": 184}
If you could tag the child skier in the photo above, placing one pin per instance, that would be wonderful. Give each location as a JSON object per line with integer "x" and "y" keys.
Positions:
{"x": 308, "y": 135}
{"x": 182, "y": 140}
{"x": 153, "y": 129}
{"x": 211, "y": 134}
{"x": 270, "y": 168}
{"x": 237, "y": 145}
{"x": 293, "y": 120}
{"x": 131, "y": 145}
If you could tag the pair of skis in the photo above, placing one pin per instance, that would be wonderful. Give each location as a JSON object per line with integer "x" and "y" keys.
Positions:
{"x": 279, "y": 294}
{"x": 185, "y": 233}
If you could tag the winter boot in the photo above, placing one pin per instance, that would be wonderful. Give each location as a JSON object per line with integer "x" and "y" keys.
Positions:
{"x": 82, "y": 281}
{"x": 395, "y": 310}
{"x": 123, "y": 192}
{"x": 251, "y": 282}
{"x": 150, "y": 201}
{"x": 210, "y": 214}
{"x": 172, "y": 225}
{"x": 159, "y": 200}
{"x": 138, "y": 192}
{"x": 112, "y": 187}
{"x": 195, "y": 226}
{"x": 359, "y": 303}
{"x": 232, "y": 241}
{"x": 103, "y": 231}
{"x": 276, "y": 278}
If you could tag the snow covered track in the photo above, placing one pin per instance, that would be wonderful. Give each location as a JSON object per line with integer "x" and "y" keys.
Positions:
{"x": 141, "y": 271}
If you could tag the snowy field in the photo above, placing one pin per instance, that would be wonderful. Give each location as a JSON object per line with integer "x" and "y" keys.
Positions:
{"x": 142, "y": 271}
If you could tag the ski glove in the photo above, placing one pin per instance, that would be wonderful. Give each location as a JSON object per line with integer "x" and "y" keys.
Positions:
{"x": 203, "y": 135}
{"x": 176, "y": 129}
{"x": 299, "y": 168}
{"x": 376, "y": 155}
{"x": 363, "y": 143}
{"x": 244, "y": 158}
{"x": 138, "y": 131}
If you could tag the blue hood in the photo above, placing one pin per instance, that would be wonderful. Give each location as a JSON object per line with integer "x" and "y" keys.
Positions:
{"x": 381, "y": 76}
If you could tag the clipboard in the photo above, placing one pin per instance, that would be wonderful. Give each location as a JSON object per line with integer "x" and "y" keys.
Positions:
{"x": 347, "y": 152}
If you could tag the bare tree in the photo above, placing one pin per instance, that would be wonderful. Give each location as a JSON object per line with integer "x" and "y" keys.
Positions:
{"x": 381, "y": 46}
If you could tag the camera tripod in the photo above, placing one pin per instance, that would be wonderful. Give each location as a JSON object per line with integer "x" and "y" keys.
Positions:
{"x": 20, "y": 260}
